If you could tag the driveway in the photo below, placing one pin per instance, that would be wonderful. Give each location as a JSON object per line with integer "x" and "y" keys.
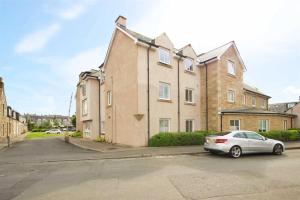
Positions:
{"x": 51, "y": 169}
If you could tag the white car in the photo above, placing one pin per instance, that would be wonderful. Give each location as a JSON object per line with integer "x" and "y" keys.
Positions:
{"x": 237, "y": 143}
{"x": 54, "y": 131}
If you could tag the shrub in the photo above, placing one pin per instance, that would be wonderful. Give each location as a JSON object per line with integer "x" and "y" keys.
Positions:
{"x": 290, "y": 135}
{"x": 100, "y": 139}
{"x": 77, "y": 134}
{"x": 36, "y": 130}
{"x": 179, "y": 139}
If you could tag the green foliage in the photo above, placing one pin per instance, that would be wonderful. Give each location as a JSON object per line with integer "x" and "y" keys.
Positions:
{"x": 73, "y": 120}
{"x": 36, "y": 135}
{"x": 179, "y": 139}
{"x": 290, "y": 135}
{"x": 100, "y": 139}
{"x": 77, "y": 134}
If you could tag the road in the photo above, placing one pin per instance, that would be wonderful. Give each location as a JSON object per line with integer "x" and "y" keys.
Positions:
{"x": 51, "y": 169}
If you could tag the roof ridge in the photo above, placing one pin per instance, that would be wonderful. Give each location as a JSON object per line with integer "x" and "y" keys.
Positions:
{"x": 216, "y": 48}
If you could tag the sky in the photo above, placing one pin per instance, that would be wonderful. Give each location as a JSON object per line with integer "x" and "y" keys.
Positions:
{"x": 44, "y": 45}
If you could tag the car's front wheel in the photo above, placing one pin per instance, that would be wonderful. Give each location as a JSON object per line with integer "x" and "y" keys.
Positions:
{"x": 235, "y": 152}
{"x": 278, "y": 149}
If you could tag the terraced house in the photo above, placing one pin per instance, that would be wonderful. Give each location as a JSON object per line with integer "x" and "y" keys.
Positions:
{"x": 12, "y": 124}
{"x": 147, "y": 86}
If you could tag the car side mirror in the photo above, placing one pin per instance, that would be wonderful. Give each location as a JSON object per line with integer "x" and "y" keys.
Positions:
{"x": 264, "y": 138}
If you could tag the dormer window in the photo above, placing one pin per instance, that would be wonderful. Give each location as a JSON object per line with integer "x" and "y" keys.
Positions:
{"x": 164, "y": 56}
{"x": 230, "y": 67}
{"x": 188, "y": 64}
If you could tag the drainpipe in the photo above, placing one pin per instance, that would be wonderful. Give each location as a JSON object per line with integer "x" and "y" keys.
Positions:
{"x": 221, "y": 122}
{"x": 206, "y": 96}
{"x": 99, "y": 81}
{"x": 148, "y": 95}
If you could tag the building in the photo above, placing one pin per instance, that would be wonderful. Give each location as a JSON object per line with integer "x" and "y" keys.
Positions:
{"x": 12, "y": 124}
{"x": 148, "y": 86}
{"x": 53, "y": 120}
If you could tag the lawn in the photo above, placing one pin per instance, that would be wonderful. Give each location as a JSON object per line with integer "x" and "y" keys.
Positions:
{"x": 35, "y": 135}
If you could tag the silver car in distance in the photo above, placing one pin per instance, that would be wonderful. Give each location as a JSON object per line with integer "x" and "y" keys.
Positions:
{"x": 240, "y": 142}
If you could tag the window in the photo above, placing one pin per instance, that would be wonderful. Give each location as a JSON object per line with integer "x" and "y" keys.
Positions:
{"x": 164, "y": 91}
{"x": 231, "y": 96}
{"x": 284, "y": 125}
{"x": 102, "y": 126}
{"x": 164, "y": 56}
{"x": 164, "y": 125}
{"x": 254, "y": 136}
{"x": 188, "y": 64}
{"x": 83, "y": 90}
{"x": 244, "y": 100}
{"x": 84, "y": 107}
{"x": 263, "y": 125}
{"x": 109, "y": 98}
{"x": 189, "y": 95}
{"x": 264, "y": 103}
{"x": 253, "y": 101}
{"x": 289, "y": 105}
{"x": 87, "y": 129}
{"x": 240, "y": 135}
{"x": 230, "y": 67}
{"x": 189, "y": 125}
{"x": 234, "y": 125}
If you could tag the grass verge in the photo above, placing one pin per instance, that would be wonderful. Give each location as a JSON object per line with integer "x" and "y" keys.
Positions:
{"x": 35, "y": 135}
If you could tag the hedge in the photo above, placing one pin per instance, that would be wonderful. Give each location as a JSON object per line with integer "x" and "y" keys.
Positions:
{"x": 198, "y": 137}
{"x": 77, "y": 134}
{"x": 179, "y": 139}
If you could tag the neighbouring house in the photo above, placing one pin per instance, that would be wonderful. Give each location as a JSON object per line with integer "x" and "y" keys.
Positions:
{"x": 148, "y": 86}
{"x": 290, "y": 108}
{"x": 12, "y": 124}
{"x": 58, "y": 121}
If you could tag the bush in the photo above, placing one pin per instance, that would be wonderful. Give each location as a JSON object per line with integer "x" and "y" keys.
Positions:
{"x": 290, "y": 135}
{"x": 100, "y": 139}
{"x": 77, "y": 134}
{"x": 179, "y": 139}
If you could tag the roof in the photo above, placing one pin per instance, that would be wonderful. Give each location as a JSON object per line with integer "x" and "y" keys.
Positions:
{"x": 253, "y": 111}
{"x": 218, "y": 52}
{"x": 282, "y": 107}
{"x": 253, "y": 89}
{"x": 92, "y": 72}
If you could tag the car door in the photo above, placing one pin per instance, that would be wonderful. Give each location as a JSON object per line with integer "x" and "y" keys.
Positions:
{"x": 256, "y": 142}
{"x": 241, "y": 140}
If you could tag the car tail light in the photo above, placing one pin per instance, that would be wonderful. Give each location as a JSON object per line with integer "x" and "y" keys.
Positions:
{"x": 220, "y": 140}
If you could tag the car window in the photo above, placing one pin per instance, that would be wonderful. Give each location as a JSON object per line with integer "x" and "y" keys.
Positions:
{"x": 254, "y": 136}
{"x": 239, "y": 135}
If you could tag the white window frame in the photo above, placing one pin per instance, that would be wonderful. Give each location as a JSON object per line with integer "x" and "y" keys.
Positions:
{"x": 264, "y": 104}
{"x": 102, "y": 126}
{"x": 231, "y": 67}
{"x": 263, "y": 125}
{"x": 162, "y": 87}
{"x": 189, "y": 97}
{"x": 167, "y": 128}
{"x": 189, "y": 125}
{"x": 164, "y": 56}
{"x": 109, "y": 98}
{"x": 285, "y": 123}
{"x": 231, "y": 96}
{"x": 235, "y": 127}
{"x": 83, "y": 90}
{"x": 253, "y": 101}
{"x": 189, "y": 64}
{"x": 84, "y": 107}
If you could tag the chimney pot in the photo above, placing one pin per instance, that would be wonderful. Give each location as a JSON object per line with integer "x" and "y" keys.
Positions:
{"x": 121, "y": 21}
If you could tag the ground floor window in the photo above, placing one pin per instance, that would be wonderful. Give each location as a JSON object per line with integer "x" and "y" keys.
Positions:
{"x": 87, "y": 129}
{"x": 164, "y": 125}
{"x": 189, "y": 125}
{"x": 263, "y": 125}
{"x": 285, "y": 125}
{"x": 102, "y": 126}
{"x": 234, "y": 125}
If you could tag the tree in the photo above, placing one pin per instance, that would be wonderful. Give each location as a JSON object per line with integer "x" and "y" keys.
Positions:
{"x": 73, "y": 120}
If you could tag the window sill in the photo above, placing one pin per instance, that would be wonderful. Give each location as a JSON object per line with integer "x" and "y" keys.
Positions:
{"x": 232, "y": 102}
{"x": 164, "y": 64}
{"x": 189, "y": 72}
{"x": 189, "y": 103}
{"x": 165, "y": 100}
{"x": 231, "y": 75}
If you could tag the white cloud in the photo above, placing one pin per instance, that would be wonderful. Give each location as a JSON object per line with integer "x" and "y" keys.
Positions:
{"x": 37, "y": 40}
{"x": 293, "y": 90}
{"x": 75, "y": 10}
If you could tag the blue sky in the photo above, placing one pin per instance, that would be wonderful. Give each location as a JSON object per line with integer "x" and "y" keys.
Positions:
{"x": 44, "y": 45}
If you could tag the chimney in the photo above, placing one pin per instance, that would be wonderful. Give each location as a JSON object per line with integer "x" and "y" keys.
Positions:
{"x": 121, "y": 21}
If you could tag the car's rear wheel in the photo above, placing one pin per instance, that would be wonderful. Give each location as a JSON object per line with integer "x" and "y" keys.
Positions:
{"x": 235, "y": 152}
{"x": 278, "y": 149}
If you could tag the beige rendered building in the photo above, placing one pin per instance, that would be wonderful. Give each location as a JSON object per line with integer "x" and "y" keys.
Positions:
{"x": 12, "y": 124}
{"x": 148, "y": 86}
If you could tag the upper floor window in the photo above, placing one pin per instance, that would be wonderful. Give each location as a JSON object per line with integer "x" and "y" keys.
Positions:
{"x": 188, "y": 63}
{"x": 84, "y": 107}
{"x": 231, "y": 96}
{"x": 253, "y": 101}
{"x": 164, "y": 56}
{"x": 189, "y": 95}
{"x": 230, "y": 67}
{"x": 109, "y": 98}
{"x": 264, "y": 103}
{"x": 164, "y": 91}
{"x": 83, "y": 90}
{"x": 244, "y": 99}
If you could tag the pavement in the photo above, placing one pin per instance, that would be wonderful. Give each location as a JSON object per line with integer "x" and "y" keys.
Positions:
{"x": 20, "y": 138}
{"x": 148, "y": 151}
{"x": 53, "y": 170}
